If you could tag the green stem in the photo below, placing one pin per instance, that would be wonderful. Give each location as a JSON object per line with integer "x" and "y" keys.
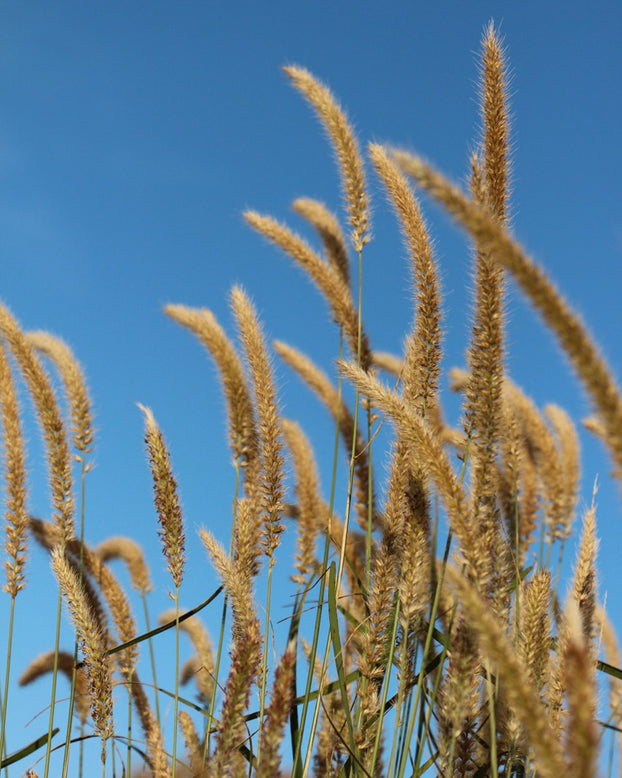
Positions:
{"x": 5, "y": 701}
{"x": 152, "y": 659}
{"x": 175, "y": 722}
{"x": 81, "y": 752}
{"x": 426, "y": 652}
{"x": 437, "y": 683}
{"x": 346, "y": 519}
{"x": 296, "y": 768}
{"x": 129, "y": 724}
{"x": 264, "y": 662}
{"x": 72, "y": 693}
{"x": 399, "y": 724}
{"x": 223, "y": 620}
{"x": 48, "y": 749}
{"x": 493, "y": 722}
{"x": 387, "y": 679}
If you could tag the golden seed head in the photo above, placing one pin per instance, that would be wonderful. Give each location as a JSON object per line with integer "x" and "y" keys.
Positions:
{"x": 165, "y": 498}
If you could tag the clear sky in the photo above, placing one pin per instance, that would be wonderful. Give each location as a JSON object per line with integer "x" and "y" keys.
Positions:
{"x": 132, "y": 137}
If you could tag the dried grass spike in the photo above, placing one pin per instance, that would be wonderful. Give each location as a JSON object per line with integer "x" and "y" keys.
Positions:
{"x": 321, "y": 384}
{"x": 328, "y": 281}
{"x": 203, "y": 669}
{"x": 585, "y": 584}
{"x": 132, "y": 555}
{"x": 151, "y": 728}
{"x": 242, "y": 424}
{"x": 165, "y": 497}
{"x": 350, "y": 162}
{"x": 310, "y": 506}
{"x": 15, "y": 479}
{"x": 98, "y": 665}
{"x": 570, "y": 461}
{"x": 75, "y": 385}
{"x": 232, "y": 729}
{"x": 268, "y": 412}
{"x": 45, "y": 664}
{"x": 388, "y": 362}
{"x": 47, "y": 535}
{"x": 423, "y": 351}
{"x": 237, "y": 582}
{"x": 115, "y": 598}
{"x": 495, "y": 121}
{"x": 51, "y": 423}
{"x": 327, "y": 226}
{"x": 459, "y": 703}
{"x": 276, "y": 715}
{"x": 427, "y": 452}
{"x": 535, "y": 628}
{"x": 191, "y": 739}
{"x": 512, "y": 673}
{"x": 582, "y": 735}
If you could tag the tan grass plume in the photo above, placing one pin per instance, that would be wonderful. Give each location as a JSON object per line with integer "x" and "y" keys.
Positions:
{"x": 323, "y": 387}
{"x": 423, "y": 353}
{"x": 51, "y": 423}
{"x": 325, "y": 277}
{"x": 242, "y": 423}
{"x": 16, "y": 517}
{"x": 44, "y": 664}
{"x": 97, "y": 663}
{"x": 340, "y": 133}
{"x": 268, "y": 415}
{"x": 310, "y": 506}
{"x": 75, "y": 386}
{"x": 165, "y": 497}
{"x": 131, "y": 553}
{"x": 329, "y": 230}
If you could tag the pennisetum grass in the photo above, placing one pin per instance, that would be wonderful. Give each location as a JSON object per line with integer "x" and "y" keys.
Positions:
{"x": 74, "y": 383}
{"x": 16, "y": 516}
{"x": 428, "y": 631}
{"x": 171, "y": 532}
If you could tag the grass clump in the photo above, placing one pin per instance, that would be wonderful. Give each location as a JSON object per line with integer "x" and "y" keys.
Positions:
{"x": 427, "y": 634}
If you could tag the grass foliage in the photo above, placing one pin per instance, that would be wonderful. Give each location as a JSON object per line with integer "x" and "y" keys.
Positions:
{"x": 427, "y": 634}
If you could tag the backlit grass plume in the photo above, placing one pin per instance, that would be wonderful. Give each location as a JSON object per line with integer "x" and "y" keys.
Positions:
{"x": 166, "y": 499}
{"x": 93, "y": 642}
{"x": 50, "y": 419}
{"x": 344, "y": 142}
{"x": 75, "y": 386}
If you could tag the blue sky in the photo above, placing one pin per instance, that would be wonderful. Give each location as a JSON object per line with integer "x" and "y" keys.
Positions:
{"x": 133, "y": 135}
